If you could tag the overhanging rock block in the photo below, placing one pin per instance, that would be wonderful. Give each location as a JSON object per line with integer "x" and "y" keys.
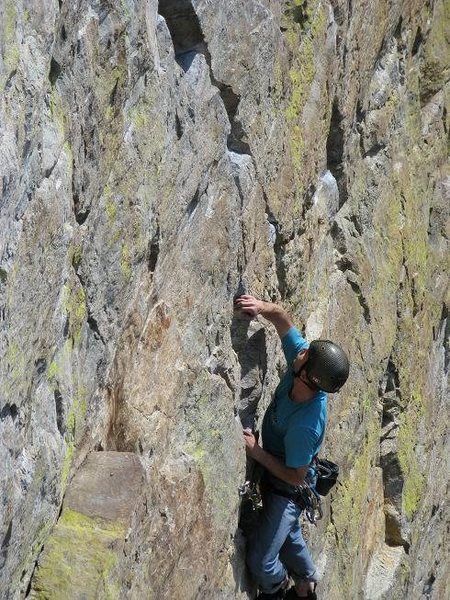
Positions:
{"x": 82, "y": 556}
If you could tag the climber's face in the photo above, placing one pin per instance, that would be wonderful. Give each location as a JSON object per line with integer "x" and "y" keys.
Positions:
{"x": 303, "y": 389}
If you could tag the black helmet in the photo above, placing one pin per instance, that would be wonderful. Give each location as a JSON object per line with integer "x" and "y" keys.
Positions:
{"x": 327, "y": 365}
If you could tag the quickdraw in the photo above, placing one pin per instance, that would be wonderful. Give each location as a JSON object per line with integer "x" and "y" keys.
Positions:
{"x": 249, "y": 490}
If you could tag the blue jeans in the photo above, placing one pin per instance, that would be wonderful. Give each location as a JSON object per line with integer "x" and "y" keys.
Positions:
{"x": 276, "y": 546}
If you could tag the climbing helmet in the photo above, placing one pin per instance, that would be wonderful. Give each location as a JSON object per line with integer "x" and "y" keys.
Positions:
{"x": 327, "y": 365}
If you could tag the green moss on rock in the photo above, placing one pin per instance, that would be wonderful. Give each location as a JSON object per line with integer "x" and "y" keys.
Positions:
{"x": 350, "y": 509}
{"x": 75, "y": 306}
{"x": 414, "y": 479}
{"x": 79, "y": 559}
{"x": 305, "y": 25}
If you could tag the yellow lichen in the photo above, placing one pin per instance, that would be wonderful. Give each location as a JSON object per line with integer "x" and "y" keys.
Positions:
{"x": 81, "y": 554}
{"x": 350, "y": 505}
{"x": 75, "y": 306}
{"x": 414, "y": 480}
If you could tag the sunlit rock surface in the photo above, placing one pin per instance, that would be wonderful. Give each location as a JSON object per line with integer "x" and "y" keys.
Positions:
{"x": 156, "y": 160}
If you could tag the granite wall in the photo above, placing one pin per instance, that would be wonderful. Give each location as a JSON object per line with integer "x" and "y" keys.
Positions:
{"x": 157, "y": 159}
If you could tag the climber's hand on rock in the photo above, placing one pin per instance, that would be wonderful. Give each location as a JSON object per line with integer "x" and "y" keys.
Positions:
{"x": 251, "y": 445}
{"x": 248, "y": 305}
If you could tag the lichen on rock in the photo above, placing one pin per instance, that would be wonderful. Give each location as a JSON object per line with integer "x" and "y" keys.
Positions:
{"x": 159, "y": 158}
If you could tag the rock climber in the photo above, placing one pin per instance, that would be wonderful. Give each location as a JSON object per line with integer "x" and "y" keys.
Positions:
{"x": 292, "y": 432}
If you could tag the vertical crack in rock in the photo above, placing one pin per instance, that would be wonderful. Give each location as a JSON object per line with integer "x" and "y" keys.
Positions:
{"x": 360, "y": 295}
{"x": 153, "y": 251}
{"x": 335, "y": 151}
{"x": 5, "y": 545}
{"x": 188, "y": 41}
{"x": 90, "y": 320}
{"x": 445, "y": 324}
{"x": 393, "y": 480}
{"x": 59, "y": 409}
{"x": 349, "y": 269}
{"x": 55, "y": 71}
{"x": 251, "y": 353}
{"x": 194, "y": 202}
{"x": 278, "y": 243}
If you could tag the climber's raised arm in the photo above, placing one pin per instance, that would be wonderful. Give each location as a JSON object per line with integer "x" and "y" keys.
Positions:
{"x": 272, "y": 312}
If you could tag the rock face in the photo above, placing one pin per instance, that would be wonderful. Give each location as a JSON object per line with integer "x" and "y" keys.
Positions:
{"x": 156, "y": 160}
{"x": 81, "y": 557}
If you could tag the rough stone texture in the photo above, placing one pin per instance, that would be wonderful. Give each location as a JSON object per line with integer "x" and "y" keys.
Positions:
{"x": 81, "y": 558}
{"x": 159, "y": 158}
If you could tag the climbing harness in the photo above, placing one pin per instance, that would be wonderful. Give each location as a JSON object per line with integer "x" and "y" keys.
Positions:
{"x": 307, "y": 499}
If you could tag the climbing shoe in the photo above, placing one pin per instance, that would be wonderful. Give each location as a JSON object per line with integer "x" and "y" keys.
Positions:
{"x": 278, "y": 595}
{"x": 292, "y": 595}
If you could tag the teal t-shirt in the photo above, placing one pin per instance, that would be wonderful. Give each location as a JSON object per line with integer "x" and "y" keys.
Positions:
{"x": 292, "y": 431}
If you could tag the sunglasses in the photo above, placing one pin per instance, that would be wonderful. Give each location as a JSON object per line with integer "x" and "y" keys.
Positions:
{"x": 306, "y": 380}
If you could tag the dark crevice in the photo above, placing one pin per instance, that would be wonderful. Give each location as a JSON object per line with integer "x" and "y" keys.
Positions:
{"x": 339, "y": 15}
{"x": 9, "y": 410}
{"x": 418, "y": 41}
{"x": 361, "y": 299}
{"x": 298, "y": 14}
{"x": 184, "y": 27}
{"x": 427, "y": 588}
{"x": 393, "y": 477}
{"x": 338, "y": 236}
{"x": 374, "y": 150}
{"x": 360, "y": 113}
{"x": 153, "y": 251}
{"x": 391, "y": 379}
{"x": 9, "y": 81}
{"x": 59, "y": 408}
{"x": 343, "y": 263}
{"x": 398, "y": 29}
{"x": 178, "y": 126}
{"x": 93, "y": 326}
{"x": 5, "y": 545}
{"x": 55, "y": 71}
{"x": 194, "y": 202}
{"x": 66, "y": 329}
{"x": 90, "y": 319}
{"x": 80, "y": 215}
{"x": 49, "y": 171}
{"x": 356, "y": 222}
{"x": 445, "y": 324}
{"x": 40, "y": 365}
{"x": 113, "y": 94}
{"x": 335, "y": 151}
{"x": 231, "y": 101}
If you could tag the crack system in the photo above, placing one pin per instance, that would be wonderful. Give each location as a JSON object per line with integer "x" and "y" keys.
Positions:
{"x": 188, "y": 41}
